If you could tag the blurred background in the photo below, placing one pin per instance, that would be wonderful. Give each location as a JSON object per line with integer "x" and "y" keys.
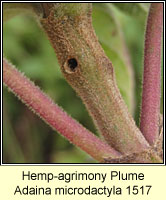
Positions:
{"x": 120, "y": 29}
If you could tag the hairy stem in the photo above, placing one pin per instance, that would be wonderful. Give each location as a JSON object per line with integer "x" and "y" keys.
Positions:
{"x": 88, "y": 70}
{"x": 150, "y": 112}
{"x": 53, "y": 115}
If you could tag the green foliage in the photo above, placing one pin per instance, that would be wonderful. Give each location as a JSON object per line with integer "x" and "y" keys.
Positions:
{"x": 28, "y": 139}
{"x": 138, "y": 10}
{"x": 13, "y": 9}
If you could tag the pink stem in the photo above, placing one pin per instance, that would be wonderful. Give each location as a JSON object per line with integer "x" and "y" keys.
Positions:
{"x": 150, "y": 110}
{"x": 44, "y": 107}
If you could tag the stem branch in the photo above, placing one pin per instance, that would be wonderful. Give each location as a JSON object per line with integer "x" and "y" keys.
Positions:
{"x": 53, "y": 115}
{"x": 149, "y": 123}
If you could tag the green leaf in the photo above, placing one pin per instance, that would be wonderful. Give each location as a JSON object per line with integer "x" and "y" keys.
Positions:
{"x": 133, "y": 9}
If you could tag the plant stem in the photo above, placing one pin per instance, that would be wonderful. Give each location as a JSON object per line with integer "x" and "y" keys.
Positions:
{"x": 92, "y": 74}
{"x": 150, "y": 111}
{"x": 43, "y": 106}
